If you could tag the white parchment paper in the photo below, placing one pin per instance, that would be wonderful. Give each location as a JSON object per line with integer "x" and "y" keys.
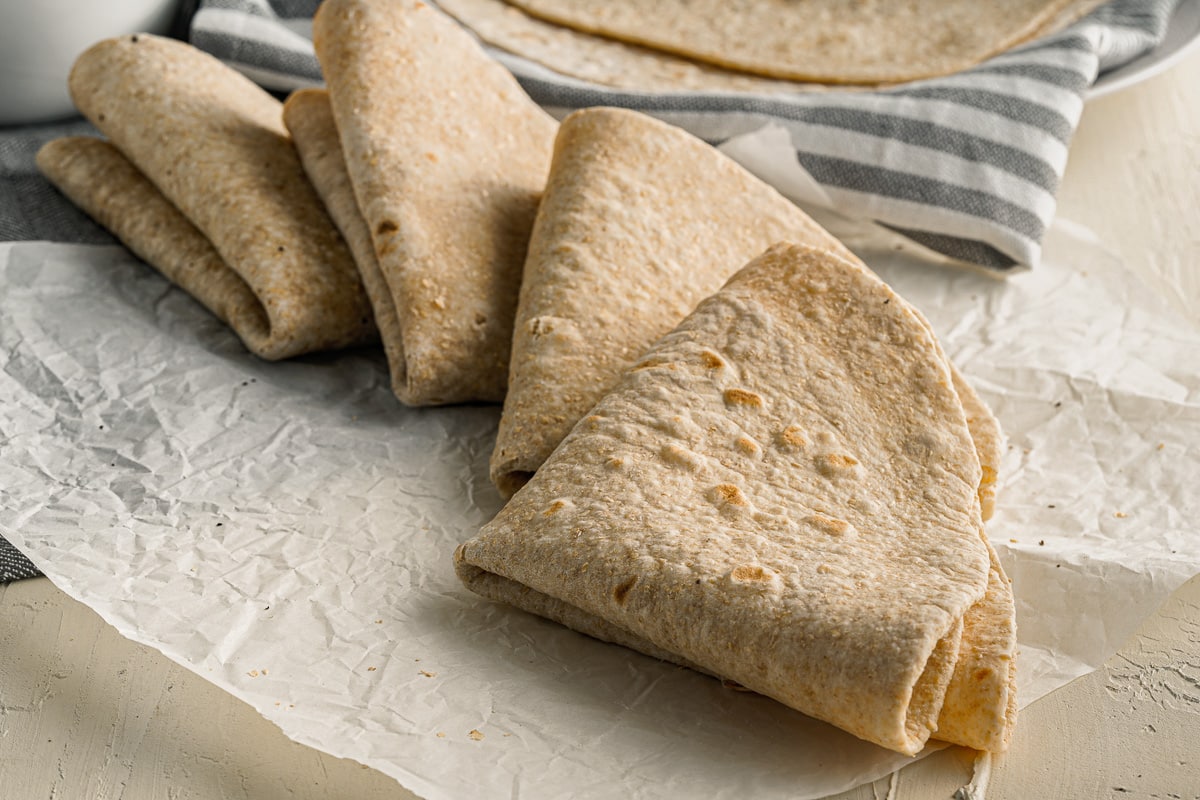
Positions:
{"x": 286, "y": 530}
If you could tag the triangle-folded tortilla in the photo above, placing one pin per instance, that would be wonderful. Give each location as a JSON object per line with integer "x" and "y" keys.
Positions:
{"x": 210, "y": 143}
{"x": 781, "y": 492}
{"x": 639, "y": 221}
{"x": 448, "y": 158}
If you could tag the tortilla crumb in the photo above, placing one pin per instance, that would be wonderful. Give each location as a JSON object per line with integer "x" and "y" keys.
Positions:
{"x": 476, "y": 735}
{"x": 441, "y": 735}
{"x": 426, "y": 673}
{"x": 1120, "y": 514}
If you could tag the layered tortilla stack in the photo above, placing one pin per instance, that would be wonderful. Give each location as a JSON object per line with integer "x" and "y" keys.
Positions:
{"x": 782, "y": 492}
{"x": 760, "y": 46}
{"x": 447, "y": 157}
{"x": 201, "y": 180}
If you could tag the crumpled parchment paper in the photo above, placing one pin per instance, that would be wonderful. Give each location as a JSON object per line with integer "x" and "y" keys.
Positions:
{"x": 285, "y": 530}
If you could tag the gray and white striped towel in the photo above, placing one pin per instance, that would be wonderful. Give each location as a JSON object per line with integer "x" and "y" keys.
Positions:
{"x": 966, "y": 165}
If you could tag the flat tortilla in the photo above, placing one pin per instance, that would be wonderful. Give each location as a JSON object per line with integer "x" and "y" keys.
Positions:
{"x": 759, "y": 499}
{"x": 448, "y": 158}
{"x": 309, "y": 119}
{"x": 829, "y": 41}
{"x": 214, "y": 145}
{"x": 602, "y": 60}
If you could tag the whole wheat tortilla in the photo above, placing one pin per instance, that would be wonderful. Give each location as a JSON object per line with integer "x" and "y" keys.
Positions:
{"x": 448, "y": 158}
{"x": 214, "y": 145}
{"x": 762, "y": 500}
{"x": 309, "y": 119}
{"x": 96, "y": 177}
{"x": 639, "y": 222}
{"x": 602, "y": 60}
{"x": 831, "y": 41}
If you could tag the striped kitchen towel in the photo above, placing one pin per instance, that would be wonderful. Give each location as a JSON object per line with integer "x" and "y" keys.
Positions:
{"x": 966, "y": 165}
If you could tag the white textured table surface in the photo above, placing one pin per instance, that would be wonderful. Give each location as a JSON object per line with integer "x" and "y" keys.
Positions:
{"x": 85, "y": 713}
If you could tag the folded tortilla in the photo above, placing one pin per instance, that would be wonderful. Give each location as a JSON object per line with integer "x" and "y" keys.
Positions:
{"x": 448, "y": 158}
{"x": 639, "y": 222}
{"x": 96, "y": 177}
{"x": 831, "y": 41}
{"x": 214, "y": 146}
{"x": 309, "y": 119}
{"x": 782, "y": 492}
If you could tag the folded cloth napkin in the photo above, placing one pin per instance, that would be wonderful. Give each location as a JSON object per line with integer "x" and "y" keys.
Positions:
{"x": 966, "y": 165}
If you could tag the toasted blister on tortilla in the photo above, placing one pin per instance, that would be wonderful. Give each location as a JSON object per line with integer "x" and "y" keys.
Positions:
{"x": 832, "y": 41}
{"x": 448, "y": 158}
{"x": 309, "y": 119}
{"x": 214, "y": 146}
{"x": 782, "y": 491}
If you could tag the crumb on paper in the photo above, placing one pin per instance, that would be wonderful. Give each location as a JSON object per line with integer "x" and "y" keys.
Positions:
{"x": 378, "y": 622}
{"x": 253, "y": 673}
{"x": 476, "y": 734}
{"x": 1161, "y": 445}
{"x": 427, "y": 674}
{"x": 371, "y": 669}
{"x": 1014, "y": 541}
{"x": 1052, "y": 506}
{"x": 1120, "y": 514}
{"x": 441, "y": 735}
{"x": 1041, "y": 542}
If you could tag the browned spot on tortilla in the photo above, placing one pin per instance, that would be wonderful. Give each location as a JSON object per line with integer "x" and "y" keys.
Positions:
{"x": 830, "y": 525}
{"x": 711, "y": 360}
{"x": 622, "y": 592}
{"x": 750, "y": 573}
{"x": 792, "y": 436}
{"x": 556, "y": 506}
{"x": 385, "y": 227}
{"x": 747, "y": 445}
{"x": 742, "y": 397}
{"x": 831, "y": 464}
{"x": 730, "y": 494}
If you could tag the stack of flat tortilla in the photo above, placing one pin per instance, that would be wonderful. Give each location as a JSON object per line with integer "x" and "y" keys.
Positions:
{"x": 201, "y": 180}
{"x": 783, "y": 492}
{"x": 762, "y": 45}
{"x": 447, "y": 158}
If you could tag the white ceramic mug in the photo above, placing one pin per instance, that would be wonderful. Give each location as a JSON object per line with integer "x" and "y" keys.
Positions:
{"x": 40, "y": 40}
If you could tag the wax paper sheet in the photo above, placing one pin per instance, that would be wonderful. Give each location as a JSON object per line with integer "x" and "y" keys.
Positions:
{"x": 285, "y": 530}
